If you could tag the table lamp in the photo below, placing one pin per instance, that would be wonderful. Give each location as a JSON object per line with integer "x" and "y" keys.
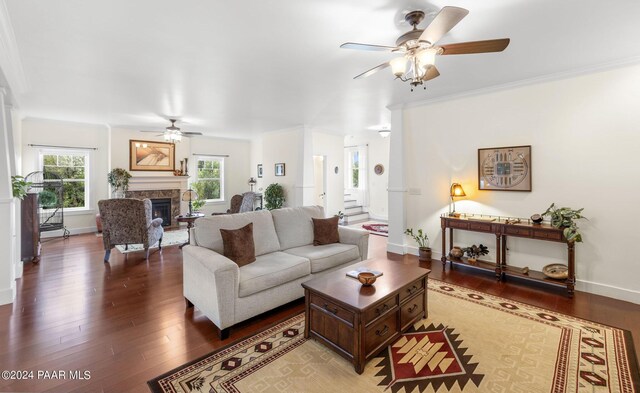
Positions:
{"x": 189, "y": 196}
{"x": 456, "y": 191}
{"x": 252, "y": 183}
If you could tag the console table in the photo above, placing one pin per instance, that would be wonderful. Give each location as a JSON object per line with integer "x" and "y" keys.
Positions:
{"x": 502, "y": 231}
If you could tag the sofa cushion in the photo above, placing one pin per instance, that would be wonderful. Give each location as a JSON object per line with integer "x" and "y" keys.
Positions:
{"x": 238, "y": 244}
{"x": 294, "y": 226}
{"x": 325, "y": 231}
{"x": 207, "y": 231}
{"x": 270, "y": 270}
{"x": 327, "y": 256}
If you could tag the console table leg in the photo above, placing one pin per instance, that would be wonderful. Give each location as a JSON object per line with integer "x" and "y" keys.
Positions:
{"x": 444, "y": 246}
{"x": 571, "y": 279}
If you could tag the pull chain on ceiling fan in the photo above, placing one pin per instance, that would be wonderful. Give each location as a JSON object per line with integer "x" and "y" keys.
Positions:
{"x": 419, "y": 50}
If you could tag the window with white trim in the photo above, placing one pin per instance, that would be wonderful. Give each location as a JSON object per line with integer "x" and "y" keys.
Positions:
{"x": 353, "y": 165}
{"x": 73, "y": 168}
{"x": 209, "y": 182}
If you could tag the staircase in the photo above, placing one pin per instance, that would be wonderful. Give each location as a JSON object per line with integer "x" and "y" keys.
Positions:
{"x": 353, "y": 212}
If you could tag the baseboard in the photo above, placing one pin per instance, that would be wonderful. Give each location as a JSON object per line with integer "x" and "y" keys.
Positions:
{"x": 378, "y": 218}
{"x": 627, "y": 295}
{"x": 19, "y": 269}
{"x": 7, "y": 295}
{"x": 396, "y": 248}
{"x": 72, "y": 231}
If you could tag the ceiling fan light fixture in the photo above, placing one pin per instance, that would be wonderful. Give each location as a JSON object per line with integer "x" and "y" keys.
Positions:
{"x": 398, "y": 66}
{"x": 384, "y": 133}
{"x": 427, "y": 57}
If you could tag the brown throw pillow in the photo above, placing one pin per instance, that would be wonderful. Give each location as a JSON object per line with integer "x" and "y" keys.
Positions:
{"x": 325, "y": 231}
{"x": 238, "y": 244}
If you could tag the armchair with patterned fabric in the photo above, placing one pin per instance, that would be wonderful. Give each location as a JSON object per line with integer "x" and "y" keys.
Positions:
{"x": 129, "y": 221}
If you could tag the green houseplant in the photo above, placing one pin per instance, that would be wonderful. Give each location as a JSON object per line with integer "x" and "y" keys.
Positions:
{"x": 19, "y": 186}
{"x": 119, "y": 179}
{"x": 564, "y": 217}
{"x": 274, "y": 196}
{"x": 420, "y": 237}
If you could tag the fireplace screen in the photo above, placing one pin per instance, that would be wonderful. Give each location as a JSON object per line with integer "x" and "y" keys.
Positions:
{"x": 162, "y": 208}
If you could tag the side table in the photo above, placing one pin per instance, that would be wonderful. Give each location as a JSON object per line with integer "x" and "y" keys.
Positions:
{"x": 190, "y": 220}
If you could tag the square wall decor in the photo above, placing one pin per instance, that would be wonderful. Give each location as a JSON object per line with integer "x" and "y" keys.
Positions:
{"x": 505, "y": 168}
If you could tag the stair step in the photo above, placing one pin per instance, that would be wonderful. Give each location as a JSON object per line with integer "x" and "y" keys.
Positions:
{"x": 350, "y": 203}
{"x": 353, "y": 209}
{"x": 349, "y": 218}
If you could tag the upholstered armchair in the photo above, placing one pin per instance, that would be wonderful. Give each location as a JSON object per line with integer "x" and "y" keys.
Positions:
{"x": 240, "y": 204}
{"x": 129, "y": 221}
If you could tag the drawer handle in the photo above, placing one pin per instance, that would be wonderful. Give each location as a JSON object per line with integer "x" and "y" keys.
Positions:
{"x": 412, "y": 290}
{"x": 334, "y": 311}
{"x": 412, "y": 309}
{"x": 382, "y": 332}
{"x": 382, "y": 309}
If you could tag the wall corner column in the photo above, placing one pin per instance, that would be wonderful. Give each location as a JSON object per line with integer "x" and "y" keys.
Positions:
{"x": 7, "y": 210}
{"x": 397, "y": 184}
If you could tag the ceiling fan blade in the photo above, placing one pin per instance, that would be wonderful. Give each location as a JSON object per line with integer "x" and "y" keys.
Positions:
{"x": 372, "y": 71}
{"x": 369, "y": 47}
{"x": 191, "y": 133}
{"x": 432, "y": 73}
{"x": 149, "y": 131}
{"x": 446, "y": 19}
{"x": 462, "y": 48}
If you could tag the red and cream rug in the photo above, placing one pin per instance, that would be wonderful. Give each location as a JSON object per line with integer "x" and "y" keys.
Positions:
{"x": 471, "y": 342}
{"x": 377, "y": 229}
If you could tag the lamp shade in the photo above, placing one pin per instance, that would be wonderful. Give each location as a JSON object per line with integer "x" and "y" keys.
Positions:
{"x": 398, "y": 66}
{"x": 384, "y": 133}
{"x": 189, "y": 195}
{"x": 457, "y": 190}
{"x": 427, "y": 57}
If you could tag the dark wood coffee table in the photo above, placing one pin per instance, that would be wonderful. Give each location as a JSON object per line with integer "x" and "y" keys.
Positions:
{"x": 357, "y": 322}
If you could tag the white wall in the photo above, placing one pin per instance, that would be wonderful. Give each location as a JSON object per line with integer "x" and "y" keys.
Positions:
{"x": 378, "y": 153}
{"x": 330, "y": 146}
{"x": 59, "y": 133}
{"x": 585, "y": 144}
{"x": 276, "y": 147}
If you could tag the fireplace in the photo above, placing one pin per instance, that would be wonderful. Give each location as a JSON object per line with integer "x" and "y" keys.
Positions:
{"x": 161, "y": 208}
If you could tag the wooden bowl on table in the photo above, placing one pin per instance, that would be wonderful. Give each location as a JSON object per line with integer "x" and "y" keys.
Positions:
{"x": 367, "y": 278}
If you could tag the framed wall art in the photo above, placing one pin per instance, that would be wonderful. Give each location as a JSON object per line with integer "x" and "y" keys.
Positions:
{"x": 504, "y": 168}
{"x": 259, "y": 170}
{"x": 280, "y": 169}
{"x": 151, "y": 156}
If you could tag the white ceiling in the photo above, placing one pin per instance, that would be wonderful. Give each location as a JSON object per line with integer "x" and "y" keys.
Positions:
{"x": 236, "y": 68}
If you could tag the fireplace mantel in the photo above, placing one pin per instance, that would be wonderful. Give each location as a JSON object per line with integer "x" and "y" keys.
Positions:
{"x": 144, "y": 183}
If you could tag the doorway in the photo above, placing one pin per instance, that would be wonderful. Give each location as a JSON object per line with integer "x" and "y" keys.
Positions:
{"x": 320, "y": 181}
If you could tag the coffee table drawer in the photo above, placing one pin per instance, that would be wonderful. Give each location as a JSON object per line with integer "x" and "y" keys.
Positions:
{"x": 410, "y": 290}
{"x": 380, "y": 309}
{"x": 411, "y": 309}
{"x": 381, "y": 331}
{"x": 332, "y": 308}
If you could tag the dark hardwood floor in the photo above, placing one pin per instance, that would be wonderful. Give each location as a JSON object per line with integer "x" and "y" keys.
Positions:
{"x": 125, "y": 322}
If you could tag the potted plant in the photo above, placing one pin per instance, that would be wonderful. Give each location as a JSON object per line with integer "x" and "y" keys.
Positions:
{"x": 119, "y": 179}
{"x": 420, "y": 237}
{"x": 19, "y": 186}
{"x": 564, "y": 217}
{"x": 474, "y": 252}
{"x": 274, "y": 196}
{"x": 340, "y": 216}
{"x": 198, "y": 204}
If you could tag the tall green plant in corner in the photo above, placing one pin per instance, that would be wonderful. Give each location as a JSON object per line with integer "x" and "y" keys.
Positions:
{"x": 274, "y": 196}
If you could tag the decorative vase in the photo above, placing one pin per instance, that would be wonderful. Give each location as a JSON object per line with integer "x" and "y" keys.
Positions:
{"x": 424, "y": 254}
{"x": 186, "y": 167}
{"x": 118, "y": 194}
{"x": 456, "y": 252}
{"x": 181, "y": 167}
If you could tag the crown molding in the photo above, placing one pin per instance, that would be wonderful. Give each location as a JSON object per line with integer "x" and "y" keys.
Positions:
{"x": 592, "y": 69}
{"x": 10, "y": 62}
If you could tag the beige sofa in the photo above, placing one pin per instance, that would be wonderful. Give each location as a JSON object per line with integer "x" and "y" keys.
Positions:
{"x": 285, "y": 257}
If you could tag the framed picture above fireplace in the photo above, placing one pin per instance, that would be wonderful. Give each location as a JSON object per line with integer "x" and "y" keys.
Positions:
{"x": 151, "y": 156}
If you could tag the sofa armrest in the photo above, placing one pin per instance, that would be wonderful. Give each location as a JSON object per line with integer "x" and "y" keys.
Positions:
{"x": 358, "y": 237}
{"x": 211, "y": 282}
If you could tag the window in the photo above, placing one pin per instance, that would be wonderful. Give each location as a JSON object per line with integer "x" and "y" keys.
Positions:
{"x": 353, "y": 169}
{"x": 73, "y": 168}
{"x": 209, "y": 178}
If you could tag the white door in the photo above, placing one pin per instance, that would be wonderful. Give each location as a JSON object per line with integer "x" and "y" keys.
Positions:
{"x": 319, "y": 179}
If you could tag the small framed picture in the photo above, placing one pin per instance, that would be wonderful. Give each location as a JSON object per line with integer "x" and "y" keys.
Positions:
{"x": 259, "y": 171}
{"x": 280, "y": 169}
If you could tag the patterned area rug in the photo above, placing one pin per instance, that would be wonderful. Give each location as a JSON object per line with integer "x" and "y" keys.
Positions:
{"x": 170, "y": 238}
{"x": 377, "y": 229}
{"x": 471, "y": 342}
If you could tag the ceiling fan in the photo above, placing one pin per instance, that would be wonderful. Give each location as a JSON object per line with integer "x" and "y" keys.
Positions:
{"x": 418, "y": 47}
{"x": 173, "y": 133}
